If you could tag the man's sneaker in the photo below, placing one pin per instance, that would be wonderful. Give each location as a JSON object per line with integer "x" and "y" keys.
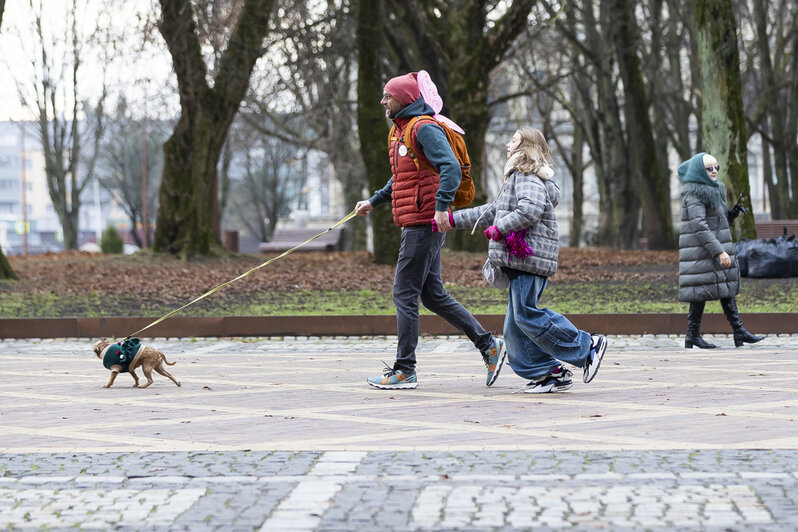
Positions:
{"x": 558, "y": 380}
{"x": 598, "y": 344}
{"x": 394, "y": 379}
{"x": 494, "y": 360}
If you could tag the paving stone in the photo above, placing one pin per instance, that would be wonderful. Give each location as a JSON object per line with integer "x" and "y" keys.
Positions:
{"x": 660, "y": 446}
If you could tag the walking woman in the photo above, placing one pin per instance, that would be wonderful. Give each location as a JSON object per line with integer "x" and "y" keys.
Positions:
{"x": 524, "y": 243}
{"x": 708, "y": 267}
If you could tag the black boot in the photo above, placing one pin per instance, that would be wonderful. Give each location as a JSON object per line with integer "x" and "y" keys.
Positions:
{"x": 741, "y": 335}
{"x": 693, "y": 326}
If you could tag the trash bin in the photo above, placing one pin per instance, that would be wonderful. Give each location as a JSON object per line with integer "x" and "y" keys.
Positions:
{"x": 230, "y": 240}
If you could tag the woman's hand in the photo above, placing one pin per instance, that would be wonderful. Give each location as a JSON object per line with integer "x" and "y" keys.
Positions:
{"x": 724, "y": 259}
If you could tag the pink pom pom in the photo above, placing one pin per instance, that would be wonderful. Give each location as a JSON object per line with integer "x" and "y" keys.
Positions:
{"x": 517, "y": 245}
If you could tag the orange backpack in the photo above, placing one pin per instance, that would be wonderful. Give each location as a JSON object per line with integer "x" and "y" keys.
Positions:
{"x": 465, "y": 192}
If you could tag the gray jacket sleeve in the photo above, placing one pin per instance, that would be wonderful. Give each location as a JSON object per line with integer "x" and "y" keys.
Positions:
{"x": 466, "y": 218}
{"x": 530, "y": 204}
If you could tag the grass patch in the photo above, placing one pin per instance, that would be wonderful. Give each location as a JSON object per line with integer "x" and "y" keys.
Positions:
{"x": 596, "y": 297}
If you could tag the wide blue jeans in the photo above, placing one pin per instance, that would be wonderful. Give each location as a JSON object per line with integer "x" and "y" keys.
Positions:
{"x": 538, "y": 339}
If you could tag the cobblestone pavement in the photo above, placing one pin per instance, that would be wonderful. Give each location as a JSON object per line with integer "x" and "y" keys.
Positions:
{"x": 283, "y": 434}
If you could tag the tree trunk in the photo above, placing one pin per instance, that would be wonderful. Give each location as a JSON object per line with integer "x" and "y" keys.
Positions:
{"x": 777, "y": 200}
{"x": 792, "y": 122}
{"x": 348, "y": 163}
{"x": 6, "y": 272}
{"x": 187, "y": 223}
{"x": 578, "y": 175}
{"x": 372, "y": 126}
{"x": 723, "y": 120}
{"x": 473, "y": 118}
{"x": 776, "y": 119}
{"x": 642, "y": 147}
{"x": 188, "y": 210}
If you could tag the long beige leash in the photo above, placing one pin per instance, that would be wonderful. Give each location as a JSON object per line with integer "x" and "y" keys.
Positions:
{"x": 214, "y": 290}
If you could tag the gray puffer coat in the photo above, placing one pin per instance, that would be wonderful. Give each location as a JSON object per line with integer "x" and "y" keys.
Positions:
{"x": 526, "y": 202}
{"x": 704, "y": 234}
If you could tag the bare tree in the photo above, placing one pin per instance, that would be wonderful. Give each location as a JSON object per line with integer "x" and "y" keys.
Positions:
{"x": 266, "y": 184}
{"x": 775, "y": 109}
{"x": 69, "y": 128}
{"x": 6, "y": 272}
{"x": 371, "y": 47}
{"x": 122, "y": 166}
{"x": 318, "y": 83}
{"x": 642, "y": 147}
{"x": 188, "y": 210}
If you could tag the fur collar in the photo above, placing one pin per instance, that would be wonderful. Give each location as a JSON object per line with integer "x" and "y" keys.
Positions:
{"x": 711, "y": 195}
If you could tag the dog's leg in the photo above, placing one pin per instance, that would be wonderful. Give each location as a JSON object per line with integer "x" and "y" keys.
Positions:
{"x": 147, "y": 374}
{"x": 160, "y": 369}
{"x": 111, "y": 380}
{"x": 135, "y": 377}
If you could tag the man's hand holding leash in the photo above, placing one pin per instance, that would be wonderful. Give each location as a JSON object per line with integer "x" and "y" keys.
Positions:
{"x": 363, "y": 207}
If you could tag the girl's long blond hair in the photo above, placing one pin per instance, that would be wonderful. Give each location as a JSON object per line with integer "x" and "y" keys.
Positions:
{"x": 532, "y": 153}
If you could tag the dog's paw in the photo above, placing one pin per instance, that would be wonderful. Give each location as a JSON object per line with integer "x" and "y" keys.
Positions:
{"x": 106, "y": 385}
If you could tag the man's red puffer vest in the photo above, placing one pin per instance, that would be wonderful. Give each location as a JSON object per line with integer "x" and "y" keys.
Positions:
{"x": 414, "y": 188}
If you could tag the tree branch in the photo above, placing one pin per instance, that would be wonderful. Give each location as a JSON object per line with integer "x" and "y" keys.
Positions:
{"x": 243, "y": 50}
{"x": 180, "y": 33}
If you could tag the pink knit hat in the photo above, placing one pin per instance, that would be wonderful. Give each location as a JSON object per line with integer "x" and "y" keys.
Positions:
{"x": 404, "y": 88}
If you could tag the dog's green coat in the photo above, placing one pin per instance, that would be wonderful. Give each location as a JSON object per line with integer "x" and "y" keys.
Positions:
{"x": 121, "y": 354}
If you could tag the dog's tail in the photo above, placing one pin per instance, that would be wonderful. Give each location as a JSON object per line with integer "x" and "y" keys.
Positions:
{"x": 167, "y": 362}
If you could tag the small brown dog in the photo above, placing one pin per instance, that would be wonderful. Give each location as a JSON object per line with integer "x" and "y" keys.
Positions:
{"x": 129, "y": 354}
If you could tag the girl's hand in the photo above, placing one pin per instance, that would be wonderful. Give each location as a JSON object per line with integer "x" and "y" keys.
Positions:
{"x": 492, "y": 233}
{"x": 724, "y": 259}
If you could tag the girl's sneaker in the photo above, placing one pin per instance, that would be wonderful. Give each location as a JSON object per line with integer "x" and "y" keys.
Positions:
{"x": 598, "y": 345}
{"x": 558, "y": 380}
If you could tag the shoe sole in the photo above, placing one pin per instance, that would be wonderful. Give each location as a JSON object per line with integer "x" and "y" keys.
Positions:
{"x": 499, "y": 365}
{"x": 593, "y": 369}
{"x": 401, "y": 386}
{"x": 551, "y": 388}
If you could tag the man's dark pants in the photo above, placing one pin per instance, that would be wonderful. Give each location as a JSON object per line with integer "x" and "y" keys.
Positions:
{"x": 418, "y": 274}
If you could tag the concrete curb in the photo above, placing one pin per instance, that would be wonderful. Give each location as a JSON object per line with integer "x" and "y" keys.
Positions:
{"x": 116, "y": 327}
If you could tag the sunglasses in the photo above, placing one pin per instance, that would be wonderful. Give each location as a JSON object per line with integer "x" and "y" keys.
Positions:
{"x": 710, "y": 168}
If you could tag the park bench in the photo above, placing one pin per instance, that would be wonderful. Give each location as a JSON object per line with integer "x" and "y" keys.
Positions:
{"x": 284, "y": 239}
{"x": 774, "y": 228}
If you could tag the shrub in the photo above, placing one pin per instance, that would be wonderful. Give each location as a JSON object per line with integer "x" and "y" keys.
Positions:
{"x": 111, "y": 242}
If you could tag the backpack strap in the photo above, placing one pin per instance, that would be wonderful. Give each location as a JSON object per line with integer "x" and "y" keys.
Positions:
{"x": 408, "y": 139}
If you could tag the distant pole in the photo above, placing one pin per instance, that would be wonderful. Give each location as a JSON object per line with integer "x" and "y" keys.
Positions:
{"x": 144, "y": 178}
{"x": 24, "y": 185}
{"x": 98, "y": 218}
